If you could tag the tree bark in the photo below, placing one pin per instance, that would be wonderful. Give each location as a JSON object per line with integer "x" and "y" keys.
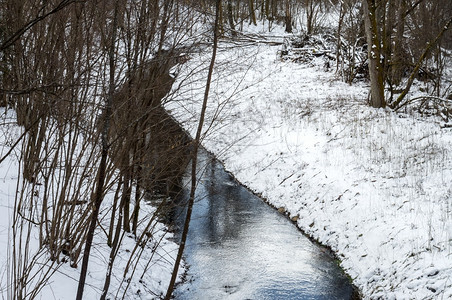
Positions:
{"x": 231, "y": 18}
{"x": 376, "y": 71}
{"x": 309, "y": 16}
{"x": 339, "y": 34}
{"x": 288, "y": 17}
{"x": 397, "y": 60}
{"x": 252, "y": 13}
{"x": 267, "y": 9}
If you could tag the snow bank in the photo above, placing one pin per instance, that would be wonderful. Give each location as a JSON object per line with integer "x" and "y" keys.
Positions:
{"x": 373, "y": 185}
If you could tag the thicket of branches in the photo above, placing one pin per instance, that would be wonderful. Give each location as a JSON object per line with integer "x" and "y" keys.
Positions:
{"x": 87, "y": 80}
{"x": 406, "y": 40}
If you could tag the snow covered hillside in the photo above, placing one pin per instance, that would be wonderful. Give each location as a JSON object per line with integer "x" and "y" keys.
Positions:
{"x": 374, "y": 185}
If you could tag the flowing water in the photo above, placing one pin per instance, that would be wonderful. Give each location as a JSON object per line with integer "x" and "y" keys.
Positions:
{"x": 238, "y": 247}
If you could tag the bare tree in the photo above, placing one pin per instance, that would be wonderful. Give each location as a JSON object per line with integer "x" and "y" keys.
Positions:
{"x": 194, "y": 156}
{"x": 52, "y": 74}
{"x": 371, "y": 11}
{"x": 98, "y": 197}
{"x": 385, "y": 26}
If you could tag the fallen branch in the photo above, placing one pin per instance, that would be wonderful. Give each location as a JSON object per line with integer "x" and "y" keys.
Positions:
{"x": 425, "y": 98}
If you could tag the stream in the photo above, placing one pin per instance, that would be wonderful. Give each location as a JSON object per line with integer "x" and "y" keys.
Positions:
{"x": 238, "y": 247}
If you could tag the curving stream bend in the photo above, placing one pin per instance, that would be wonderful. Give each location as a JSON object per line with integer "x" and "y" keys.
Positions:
{"x": 238, "y": 247}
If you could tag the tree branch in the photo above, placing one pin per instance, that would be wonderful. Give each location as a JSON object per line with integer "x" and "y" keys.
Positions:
{"x": 196, "y": 144}
{"x": 396, "y": 105}
{"x": 64, "y": 3}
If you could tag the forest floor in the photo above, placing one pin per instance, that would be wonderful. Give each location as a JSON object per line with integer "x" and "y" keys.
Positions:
{"x": 372, "y": 184}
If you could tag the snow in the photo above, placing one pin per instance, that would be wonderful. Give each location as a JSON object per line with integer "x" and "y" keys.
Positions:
{"x": 150, "y": 266}
{"x": 372, "y": 184}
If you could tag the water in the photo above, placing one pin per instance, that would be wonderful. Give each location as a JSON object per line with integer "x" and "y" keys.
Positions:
{"x": 240, "y": 248}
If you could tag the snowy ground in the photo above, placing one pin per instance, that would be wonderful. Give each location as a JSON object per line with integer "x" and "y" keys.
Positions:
{"x": 372, "y": 184}
{"x": 149, "y": 268}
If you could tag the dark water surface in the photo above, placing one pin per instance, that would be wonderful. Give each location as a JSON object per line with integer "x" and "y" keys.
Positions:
{"x": 238, "y": 247}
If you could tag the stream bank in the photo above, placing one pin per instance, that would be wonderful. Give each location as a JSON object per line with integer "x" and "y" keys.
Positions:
{"x": 238, "y": 247}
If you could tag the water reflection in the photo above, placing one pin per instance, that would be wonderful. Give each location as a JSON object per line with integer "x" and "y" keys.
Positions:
{"x": 240, "y": 248}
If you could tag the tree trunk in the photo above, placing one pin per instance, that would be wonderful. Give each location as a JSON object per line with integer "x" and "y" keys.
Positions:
{"x": 113, "y": 213}
{"x": 309, "y": 16}
{"x": 125, "y": 198}
{"x": 339, "y": 34}
{"x": 136, "y": 209}
{"x": 196, "y": 143}
{"x": 231, "y": 18}
{"x": 252, "y": 13}
{"x": 288, "y": 17}
{"x": 98, "y": 198}
{"x": 221, "y": 22}
{"x": 267, "y": 9}
{"x": 376, "y": 72}
{"x": 113, "y": 251}
{"x": 397, "y": 64}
